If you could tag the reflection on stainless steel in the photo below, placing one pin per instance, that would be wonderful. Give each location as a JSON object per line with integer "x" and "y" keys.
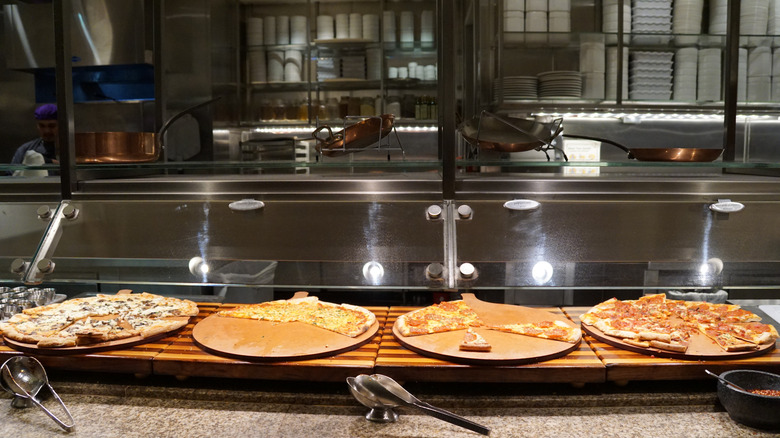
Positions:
{"x": 116, "y": 147}
{"x": 354, "y": 137}
{"x": 686, "y": 155}
{"x": 373, "y": 272}
{"x": 509, "y": 134}
{"x": 379, "y": 412}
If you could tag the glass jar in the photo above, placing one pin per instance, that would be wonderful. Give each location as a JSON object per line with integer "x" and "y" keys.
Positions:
{"x": 332, "y": 109}
{"x": 343, "y": 107}
{"x": 266, "y": 110}
{"x": 303, "y": 110}
{"x": 393, "y": 106}
{"x": 367, "y": 106}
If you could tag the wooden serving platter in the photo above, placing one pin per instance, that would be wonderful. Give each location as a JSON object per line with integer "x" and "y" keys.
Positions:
{"x": 700, "y": 347}
{"x": 508, "y": 348}
{"x": 248, "y": 339}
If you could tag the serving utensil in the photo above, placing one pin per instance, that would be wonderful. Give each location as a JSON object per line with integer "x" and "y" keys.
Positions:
{"x": 24, "y": 376}
{"x": 726, "y": 382}
{"x": 379, "y": 412}
{"x": 389, "y": 392}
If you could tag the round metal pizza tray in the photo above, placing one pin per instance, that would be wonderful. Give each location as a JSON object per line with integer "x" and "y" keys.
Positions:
{"x": 700, "y": 348}
{"x": 507, "y": 348}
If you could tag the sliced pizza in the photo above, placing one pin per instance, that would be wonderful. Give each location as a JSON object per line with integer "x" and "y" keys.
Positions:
{"x": 442, "y": 317}
{"x": 473, "y": 341}
{"x": 555, "y": 330}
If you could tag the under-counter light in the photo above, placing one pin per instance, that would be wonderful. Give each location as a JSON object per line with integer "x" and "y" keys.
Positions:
{"x": 542, "y": 272}
{"x": 198, "y": 266}
{"x": 373, "y": 272}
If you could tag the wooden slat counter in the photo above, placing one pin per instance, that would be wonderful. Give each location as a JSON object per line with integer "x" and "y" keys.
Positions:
{"x": 183, "y": 358}
{"x": 578, "y": 367}
{"x": 623, "y": 366}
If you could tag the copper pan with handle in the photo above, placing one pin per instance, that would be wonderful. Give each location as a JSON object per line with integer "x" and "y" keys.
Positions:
{"x": 355, "y": 137}
{"x": 675, "y": 155}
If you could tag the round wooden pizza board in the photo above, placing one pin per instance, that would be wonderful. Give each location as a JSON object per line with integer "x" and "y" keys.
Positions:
{"x": 507, "y": 348}
{"x": 254, "y": 340}
{"x": 89, "y": 348}
{"x": 700, "y": 347}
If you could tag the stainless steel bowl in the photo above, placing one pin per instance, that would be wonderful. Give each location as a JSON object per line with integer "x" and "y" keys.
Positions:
{"x": 758, "y": 411}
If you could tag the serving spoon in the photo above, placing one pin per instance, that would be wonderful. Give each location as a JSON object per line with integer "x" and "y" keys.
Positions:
{"x": 390, "y": 392}
{"x": 24, "y": 377}
{"x": 380, "y": 412}
{"x": 726, "y": 382}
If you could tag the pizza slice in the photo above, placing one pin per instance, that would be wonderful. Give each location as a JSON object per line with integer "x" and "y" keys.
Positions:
{"x": 555, "y": 330}
{"x": 473, "y": 341}
{"x": 725, "y": 339}
{"x": 442, "y": 317}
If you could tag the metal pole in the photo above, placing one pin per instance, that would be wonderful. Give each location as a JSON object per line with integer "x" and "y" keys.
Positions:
{"x": 64, "y": 81}
{"x": 446, "y": 59}
{"x": 731, "y": 68}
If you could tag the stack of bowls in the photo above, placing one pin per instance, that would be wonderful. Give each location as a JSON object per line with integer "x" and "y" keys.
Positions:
{"x": 373, "y": 64}
{"x": 269, "y": 30}
{"x": 254, "y": 31}
{"x": 686, "y": 66}
{"x": 759, "y": 77}
{"x": 282, "y": 30}
{"x": 299, "y": 30}
{"x": 708, "y": 85}
{"x": 776, "y": 75}
{"x": 257, "y": 66}
{"x": 407, "y": 29}
{"x": 742, "y": 74}
{"x": 592, "y": 65}
{"x": 686, "y": 21}
{"x": 753, "y": 20}
{"x": 355, "y": 26}
{"x": 773, "y": 22}
{"x": 427, "y": 29}
{"x": 293, "y": 64}
{"x": 325, "y": 29}
{"x": 275, "y": 66}
{"x": 536, "y": 21}
{"x": 609, "y": 19}
{"x": 514, "y": 15}
{"x": 559, "y": 20}
{"x": 718, "y": 14}
{"x": 342, "y": 26}
{"x": 612, "y": 73}
{"x": 389, "y": 29}
{"x": 371, "y": 27}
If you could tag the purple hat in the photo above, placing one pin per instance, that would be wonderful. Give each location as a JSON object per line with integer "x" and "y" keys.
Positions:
{"x": 46, "y": 112}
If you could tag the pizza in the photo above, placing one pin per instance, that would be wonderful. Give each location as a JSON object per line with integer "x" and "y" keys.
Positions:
{"x": 458, "y": 315}
{"x": 102, "y": 318}
{"x": 473, "y": 341}
{"x": 344, "y": 319}
{"x": 653, "y": 321}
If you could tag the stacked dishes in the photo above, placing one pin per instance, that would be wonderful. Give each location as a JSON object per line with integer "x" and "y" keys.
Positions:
{"x": 652, "y": 19}
{"x": 353, "y": 67}
{"x": 559, "y": 20}
{"x": 536, "y": 21}
{"x": 283, "y": 30}
{"x": 293, "y": 63}
{"x": 708, "y": 85}
{"x": 374, "y": 64}
{"x": 742, "y": 75}
{"x": 276, "y": 66}
{"x": 609, "y": 18}
{"x": 388, "y": 29}
{"x": 257, "y": 66}
{"x": 299, "y": 30}
{"x": 773, "y": 23}
{"x": 651, "y": 75}
{"x": 254, "y": 31}
{"x": 407, "y": 29}
{"x": 269, "y": 30}
{"x": 592, "y": 65}
{"x": 325, "y": 30}
{"x": 355, "y": 26}
{"x": 686, "y": 62}
{"x": 426, "y": 29}
{"x": 328, "y": 68}
{"x": 514, "y": 15}
{"x": 718, "y": 14}
{"x": 515, "y": 87}
{"x": 759, "y": 77}
{"x": 342, "y": 26}
{"x": 612, "y": 73}
{"x": 560, "y": 84}
{"x": 776, "y": 75}
{"x": 371, "y": 27}
{"x": 686, "y": 21}
{"x": 754, "y": 19}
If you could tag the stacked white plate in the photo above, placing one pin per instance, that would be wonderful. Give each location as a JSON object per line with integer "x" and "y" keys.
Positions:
{"x": 592, "y": 65}
{"x": 612, "y": 73}
{"x": 651, "y": 75}
{"x": 275, "y": 66}
{"x": 718, "y": 14}
{"x": 325, "y": 29}
{"x": 353, "y": 67}
{"x": 388, "y": 28}
{"x": 559, "y": 20}
{"x": 269, "y": 30}
{"x": 257, "y": 66}
{"x": 708, "y": 85}
{"x": 328, "y": 68}
{"x": 609, "y": 18}
{"x": 515, "y": 87}
{"x": 254, "y": 32}
{"x": 686, "y": 66}
{"x": 686, "y": 21}
{"x": 342, "y": 26}
{"x": 355, "y": 26}
{"x": 371, "y": 27}
{"x": 514, "y": 15}
{"x": 773, "y": 23}
{"x": 536, "y": 21}
{"x": 407, "y": 28}
{"x": 754, "y": 19}
{"x": 560, "y": 84}
{"x": 759, "y": 77}
{"x": 426, "y": 29}
{"x": 299, "y": 30}
{"x": 283, "y": 29}
{"x": 293, "y": 65}
{"x": 374, "y": 64}
{"x": 652, "y": 21}
{"x": 776, "y": 75}
{"x": 742, "y": 75}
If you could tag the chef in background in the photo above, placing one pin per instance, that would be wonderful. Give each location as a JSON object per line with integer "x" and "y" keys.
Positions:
{"x": 43, "y": 149}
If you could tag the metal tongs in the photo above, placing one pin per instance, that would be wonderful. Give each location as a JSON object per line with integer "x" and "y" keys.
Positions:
{"x": 24, "y": 377}
{"x": 383, "y": 390}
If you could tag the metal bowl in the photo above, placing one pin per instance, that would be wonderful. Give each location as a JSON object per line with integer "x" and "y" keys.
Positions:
{"x": 758, "y": 411}
{"x": 116, "y": 147}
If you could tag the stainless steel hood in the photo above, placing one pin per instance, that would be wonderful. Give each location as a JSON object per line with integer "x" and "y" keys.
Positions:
{"x": 104, "y": 32}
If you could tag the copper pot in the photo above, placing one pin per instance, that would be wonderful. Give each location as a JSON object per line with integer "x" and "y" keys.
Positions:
{"x": 354, "y": 138}
{"x": 509, "y": 134}
{"x": 116, "y": 147}
{"x": 675, "y": 155}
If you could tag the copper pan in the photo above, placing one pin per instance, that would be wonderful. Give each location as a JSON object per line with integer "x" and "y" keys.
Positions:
{"x": 678, "y": 155}
{"x": 508, "y": 134}
{"x": 116, "y": 147}
{"x": 354, "y": 138}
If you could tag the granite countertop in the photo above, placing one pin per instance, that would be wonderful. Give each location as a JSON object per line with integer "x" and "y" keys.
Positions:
{"x": 123, "y": 406}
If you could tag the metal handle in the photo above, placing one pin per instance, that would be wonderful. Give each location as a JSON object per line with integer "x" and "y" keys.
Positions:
{"x": 66, "y": 427}
{"x": 449, "y": 417}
